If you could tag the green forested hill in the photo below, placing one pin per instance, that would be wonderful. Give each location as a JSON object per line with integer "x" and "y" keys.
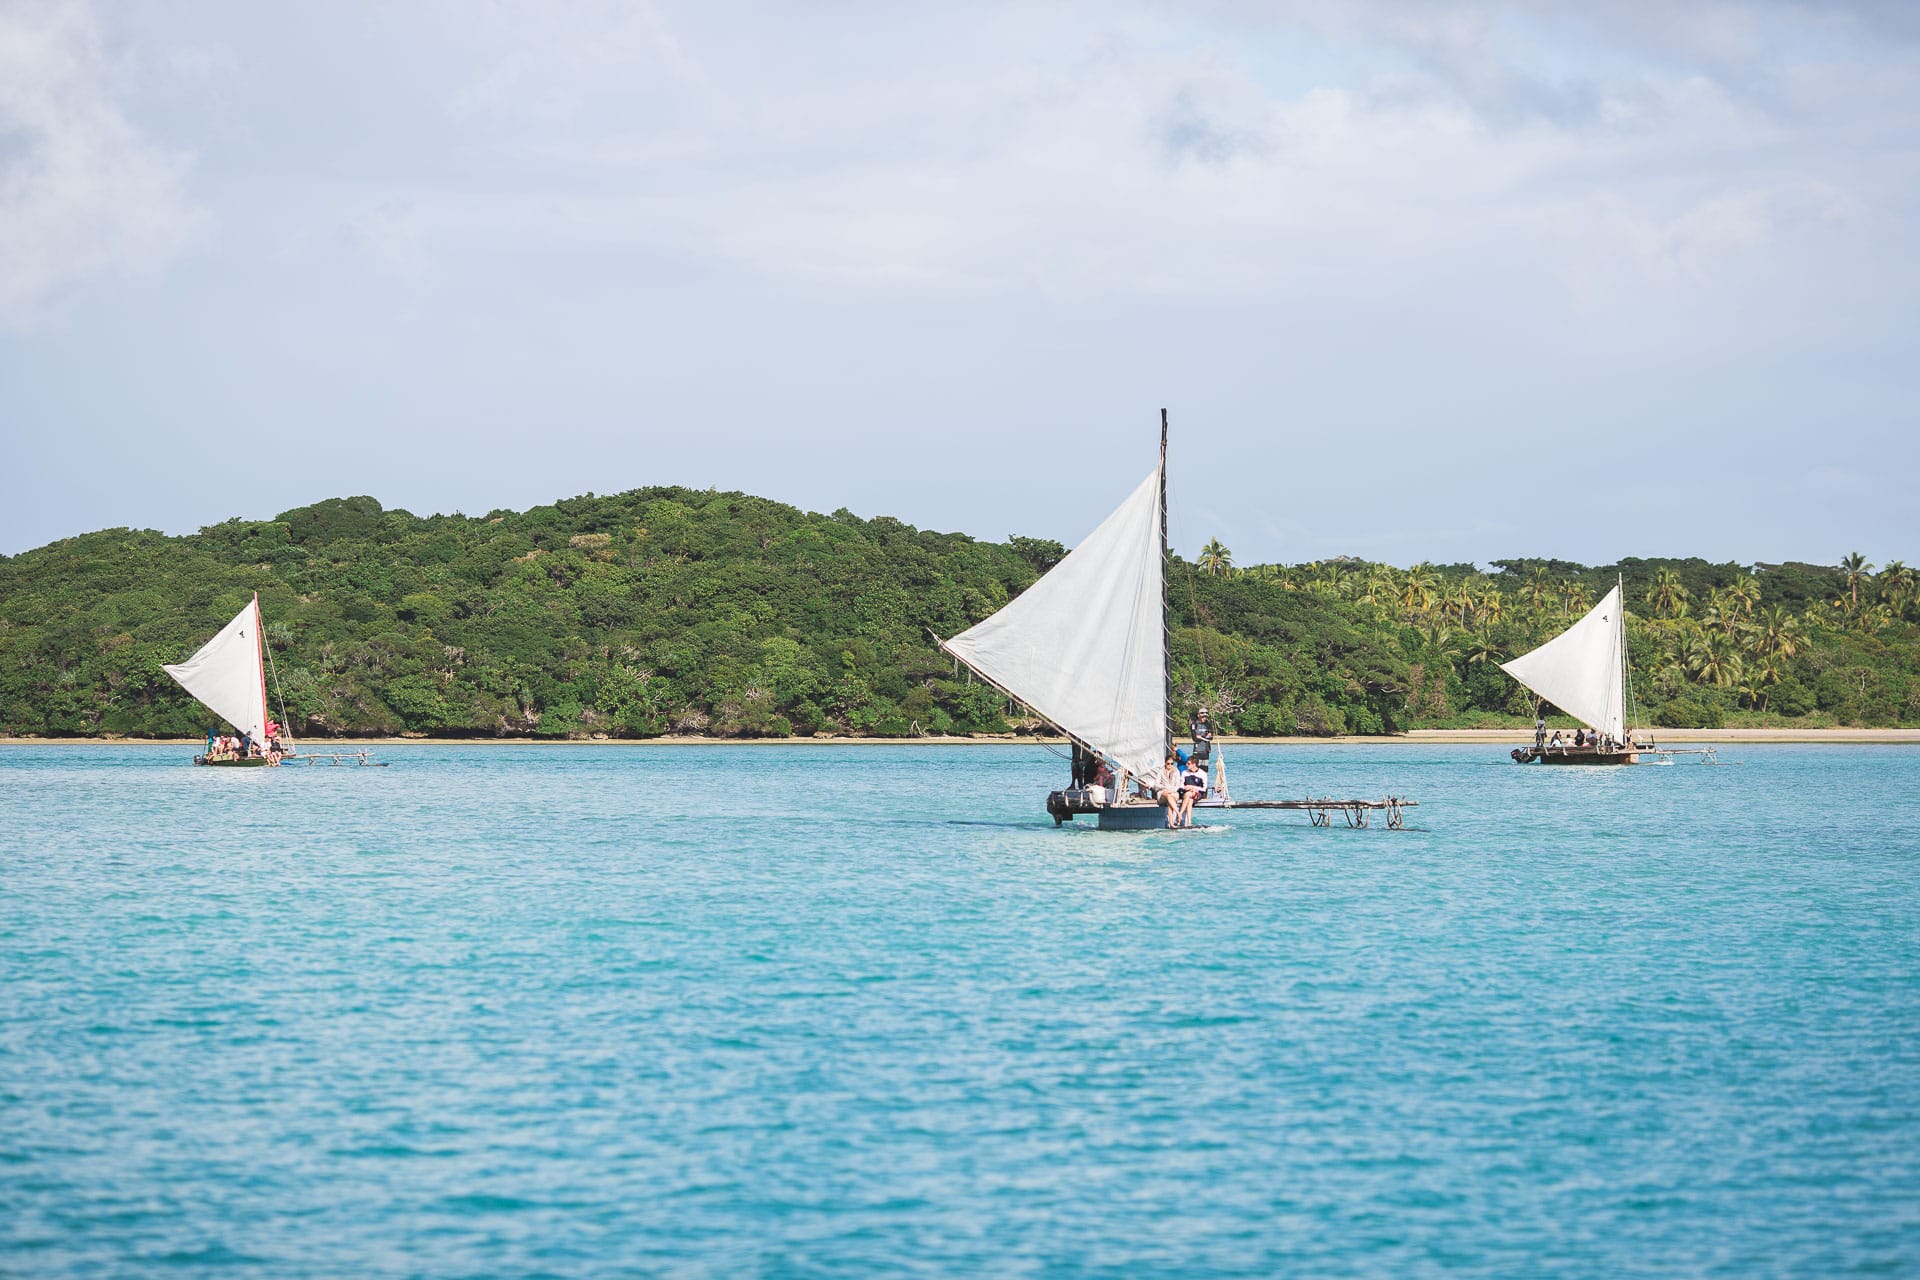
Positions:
{"x": 670, "y": 610}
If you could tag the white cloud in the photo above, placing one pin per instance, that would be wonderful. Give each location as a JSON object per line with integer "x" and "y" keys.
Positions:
{"x": 1430, "y": 223}
{"x": 1097, "y": 153}
{"x": 82, "y": 194}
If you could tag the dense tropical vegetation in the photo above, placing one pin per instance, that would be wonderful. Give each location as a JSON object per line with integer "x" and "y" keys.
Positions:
{"x": 676, "y": 611}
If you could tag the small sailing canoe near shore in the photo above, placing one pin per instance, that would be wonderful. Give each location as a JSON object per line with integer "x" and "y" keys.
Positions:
{"x": 1584, "y": 672}
{"x": 228, "y": 676}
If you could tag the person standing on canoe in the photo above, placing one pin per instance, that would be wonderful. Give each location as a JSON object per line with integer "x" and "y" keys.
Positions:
{"x": 1202, "y": 736}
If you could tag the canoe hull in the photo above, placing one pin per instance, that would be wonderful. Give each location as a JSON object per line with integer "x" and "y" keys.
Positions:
{"x": 1132, "y": 817}
{"x": 251, "y": 762}
{"x": 1065, "y": 806}
{"x": 1573, "y": 755}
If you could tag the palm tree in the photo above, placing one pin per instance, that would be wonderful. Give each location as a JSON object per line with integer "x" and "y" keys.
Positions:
{"x": 1722, "y": 611}
{"x": 1855, "y": 566}
{"x": 1418, "y": 588}
{"x": 1481, "y": 648}
{"x": 1576, "y": 595}
{"x": 1440, "y": 636}
{"x": 1492, "y": 608}
{"x": 1215, "y": 560}
{"x": 1712, "y": 660}
{"x": 1897, "y": 583}
{"x": 1777, "y": 633}
{"x": 1668, "y": 676}
{"x": 1745, "y": 592}
{"x": 1539, "y": 587}
{"x": 1668, "y": 595}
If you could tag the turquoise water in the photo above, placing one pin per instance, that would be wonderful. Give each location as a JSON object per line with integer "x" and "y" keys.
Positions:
{"x": 820, "y": 1011}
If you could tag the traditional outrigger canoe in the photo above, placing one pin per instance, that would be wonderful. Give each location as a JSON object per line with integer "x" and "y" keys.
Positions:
{"x": 228, "y": 675}
{"x": 1584, "y": 672}
{"x": 1088, "y": 648}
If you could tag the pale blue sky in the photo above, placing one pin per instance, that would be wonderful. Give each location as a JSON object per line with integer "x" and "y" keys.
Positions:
{"x": 1447, "y": 281}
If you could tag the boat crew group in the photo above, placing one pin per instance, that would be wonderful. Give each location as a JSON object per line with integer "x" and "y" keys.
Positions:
{"x": 1183, "y": 780}
{"x": 228, "y": 748}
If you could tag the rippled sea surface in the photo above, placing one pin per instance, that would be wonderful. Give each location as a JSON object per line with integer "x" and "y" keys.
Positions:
{"x": 824, "y": 1011}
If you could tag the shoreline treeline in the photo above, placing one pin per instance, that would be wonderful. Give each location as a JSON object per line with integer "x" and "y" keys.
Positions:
{"x": 669, "y": 610}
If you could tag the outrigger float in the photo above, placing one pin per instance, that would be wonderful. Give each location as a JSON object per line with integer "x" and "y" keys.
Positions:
{"x": 228, "y": 676}
{"x": 1089, "y": 648}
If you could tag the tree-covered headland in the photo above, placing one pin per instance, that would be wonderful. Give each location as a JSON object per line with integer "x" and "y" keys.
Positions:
{"x": 668, "y": 610}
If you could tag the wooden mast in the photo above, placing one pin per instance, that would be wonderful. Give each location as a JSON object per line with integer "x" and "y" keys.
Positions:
{"x": 1166, "y": 610}
{"x": 260, "y": 663}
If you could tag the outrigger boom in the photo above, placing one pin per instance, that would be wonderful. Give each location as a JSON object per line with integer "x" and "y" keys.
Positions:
{"x": 1064, "y": 806}
{"x": 362, "y": 758}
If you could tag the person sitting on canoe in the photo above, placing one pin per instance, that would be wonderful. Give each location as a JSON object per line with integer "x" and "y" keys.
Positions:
{"x": 1193, "y": 786}
{"x": 1167, "y": 789}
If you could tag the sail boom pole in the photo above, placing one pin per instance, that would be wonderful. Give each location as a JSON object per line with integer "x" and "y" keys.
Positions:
{"x": 961, "y": 659}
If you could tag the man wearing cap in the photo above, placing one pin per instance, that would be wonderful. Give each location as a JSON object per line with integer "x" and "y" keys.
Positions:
{"x": 1202, "y": 737}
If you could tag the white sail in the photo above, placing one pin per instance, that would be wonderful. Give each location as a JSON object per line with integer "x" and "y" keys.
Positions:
{"x": 226, "y": 675}
{"x": 1582, "y": 669}
{"x": 1085, "y": 645}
